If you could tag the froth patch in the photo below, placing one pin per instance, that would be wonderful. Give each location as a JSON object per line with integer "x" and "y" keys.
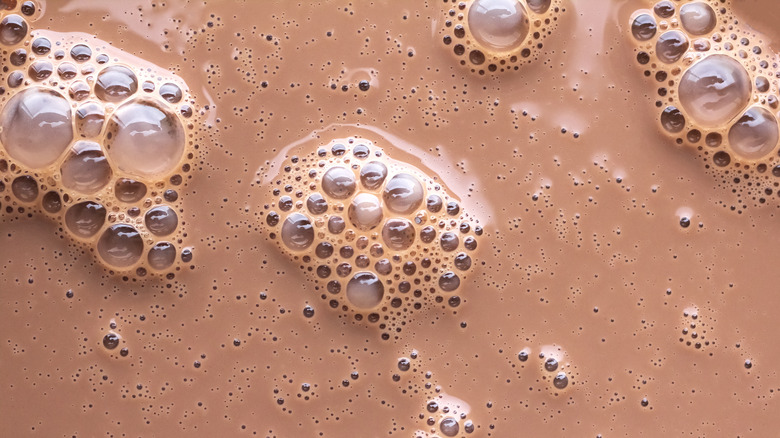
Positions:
{"x": 379, "y": 237}
{"x": 98, "y": 140}
{"x": 498, "y": 35}
{"x": 716, "y": 89}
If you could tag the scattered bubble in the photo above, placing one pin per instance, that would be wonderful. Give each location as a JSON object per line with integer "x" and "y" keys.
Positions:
{"x": 51, "y": 202}
{"x": 449, "y": 281}
{"x": 111, "y": 341}
{"x": 449, "y": 426}
{"x": 171, "y": 93}
{"x": 561, "y": 380}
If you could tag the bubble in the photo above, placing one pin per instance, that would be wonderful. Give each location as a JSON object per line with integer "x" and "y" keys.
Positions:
{"x": 67, "y": 71}
{"x": 316, "y": 204}
{"x": 90, "y": 117}
{"x": 434, "y": 203}
{"x": 754, "y": 135}
{"x": 365, "y": 290}
{"x": 714, "y": 90}
{"x": 427, "y": 234}
{"x": 51, "y": 202}
{"x": 644, "y": 27}
{"x": 79, "y": 90}
{"x": 698, "y": 18}
{"x": 297, "y": 232}
{"x": 147, "y": 141}
{"x": 28, "y": 8}
{"x": 398, "y": 234}
{"x": 40, "y": 70}
{"x": 403, "y": 194}
{"x": 539, "y": 6}
{"x": 18, "y": 57}
{"x": 365, "y": 211}
{"x": 25, "y": 188}
{"x": 373, "y": 174}
{"x": 339, "y": 182}
{"x": 115, "y": 83}
{"x": 41, "y": 46}
{"x": 713, "y": 139}
{"x": 336, "y": 224}
{"x": 671, "y": 46}
{"x": 161, "y": 220}
{"x": 721, "y": 159}
{"x": 463, "y": 261}
{"x": 129, "y": 190}
{"x": 81, "y": 53}
{"x": 664, "y": 9}
{"x": 15, "y": 79}
{"x": 383, "y": 267}
{"x": 499, "y": 25}
{"x": 85, "y": 168}
{"x": 111, "y": 341}
{"x": 561, "y": 381}
{"x": 85, "y": 219}
{"x": 13, "y": 29}
{"x": 449, "y": 281}
{"x": 171, "y": 93}
{"x": 36, "y": 127}
{"x": 120, "y": 246}
{"x": 449, "y": 426}
{"x": 324, "y": 250}
{"x": 551, "y": 364}
{"x": 672, "y": 120}
{"x": 161, "y": 256}
{"x": 449, "y": 242}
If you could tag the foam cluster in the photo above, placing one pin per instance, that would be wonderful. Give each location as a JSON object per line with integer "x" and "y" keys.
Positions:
{"x": 381, "y": 238}
{"x": 96, "y": 139}
{"x": 498, "y": 35}
{"x": 716, "y": 83}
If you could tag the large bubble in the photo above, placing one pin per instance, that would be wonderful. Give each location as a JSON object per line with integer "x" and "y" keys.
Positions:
{"x": 715, "y": 90}
{"x": 37, "y": 127}
{"x": 755, "y": 134}
{"x": 365, "y": 211}
{"x": 297, "y": 232}
{"x": 85, "y": 219}
{"x": 339, "y": 182}
{"x": 365, "y": 290}
{"x": 120, "y": 246}
{"x": 499, "y": 25}
{"x": 698, "y": 18}
{"x": 115, "y": 83}
{"x": 403, "y": 194}
{"x": 398, "y": 234}
{"x": 85, "y": 169}
{"x": 145, "y": 140}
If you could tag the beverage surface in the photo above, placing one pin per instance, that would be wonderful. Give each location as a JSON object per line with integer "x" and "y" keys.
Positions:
{"x": 480, "y": 218}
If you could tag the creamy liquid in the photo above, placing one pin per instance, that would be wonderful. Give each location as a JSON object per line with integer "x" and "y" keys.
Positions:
{"x": 660, "y": 329}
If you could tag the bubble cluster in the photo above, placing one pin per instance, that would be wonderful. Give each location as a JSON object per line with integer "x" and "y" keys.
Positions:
{"x": 374, "y": 232}
{"x": 97, "y": 140}
{"x": 498, "y": 35}
{"x": 717, "y": 86}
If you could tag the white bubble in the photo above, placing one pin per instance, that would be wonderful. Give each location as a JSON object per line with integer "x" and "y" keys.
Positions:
{"x": 499, "y": 25}
{"x": 714, "y": 90}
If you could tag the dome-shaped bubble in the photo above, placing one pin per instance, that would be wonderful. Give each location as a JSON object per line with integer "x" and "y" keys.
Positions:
{"x": 144, "y": 139}
{"x": 398, "y": 234}
{"x": 449, "y": 281}
{"x": 171, "y": 93}
{"x": 120, "y": 246}
{"x": 40, "y": 70}
{"x": 316, "y": 204}
{"x": 128, "y": 190}
{"x": 671, "y": 46}
{"x": 25, "y": 188}
{"x": 449, "y": 242}
{"x": 403, "y": 193}
{"x": 37, "y": 127}
{"x": 449, "y": 426}
{"x": 539, "y": 6}
{"x": 561, "y": 381}
{"x": 714, "y": 90}
{"x": 499, "y": 25}
{"x": 697, "y": 18}
{"x": 51, "y": 202}
{"x": 161, "y": 220}
{"x": 365, "y": 211}
{"x": 81, "y": 53}
{"x": 115, "y": 83}
{"x": 13, "y": 29}
{"x": 297, "y": 232}
{"x": 365, "y": 290}
{"x": 85, "y": 218}
{"x": 643, "y": 27}
{"x": 672, "y": 120}
{"x": 339, "y": 182}
{"x": 336, "y": 224}
{"x": 754, "y": 135}
{"x": 85, "y": 168}
{"x": 373, "y": 174}
{"x": 161, "y": 256}
{"x": 463, "y": 261}
{"x": 90, "y": 118}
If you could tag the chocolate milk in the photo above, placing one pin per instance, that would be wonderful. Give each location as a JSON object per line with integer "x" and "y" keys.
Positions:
{"x": 622, "y": 286}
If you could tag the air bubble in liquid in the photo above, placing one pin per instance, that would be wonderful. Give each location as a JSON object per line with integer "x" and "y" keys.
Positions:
{"x": 373, "y": 174}
{"x": 85, "y": 169}
{"x": 714, "y": 90}
{"x": 755, "y": 134}
{"x": 449, "y": 426}
{"x": 146, "y": 140}
{"x": 339, "y": 182}
{"x": 365, "y": 290}
{"x": 129, "y": 190}
{"x": 499, "y": 25}
{"x": 115, "y": 83}
{"x": 162, "y": 256}
{"x": 697, "y": 18}
{"x": 365, "y": 211}
{"x": 171, "y": 93}
{"x": 671, "y": 46}
{"x": 403, "y": 194}
{"x": 25, "y": 188}
{"x": 36, "y": 127}
{"x": 449, "y": 281}
{"x": 85, "y": 218}
{"x": 398, "y": 234}
{"x": 539, "y": 6}
{"x": 90, "y": 117}
{"x": 297, "y": 232}
{"x": 643, "y": 27}
{"x": 13, "y": 29}
{"x": 161, "y": 220}
{"x": 120, "y": 246}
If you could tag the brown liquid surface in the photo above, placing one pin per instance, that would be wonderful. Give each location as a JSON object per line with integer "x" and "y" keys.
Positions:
{"x": 583, "y": 258}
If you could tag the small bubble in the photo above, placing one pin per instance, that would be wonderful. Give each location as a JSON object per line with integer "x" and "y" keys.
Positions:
{"x": 111, "y": 341}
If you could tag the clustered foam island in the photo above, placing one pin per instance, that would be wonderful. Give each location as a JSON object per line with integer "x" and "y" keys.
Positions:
{"x": 498, "y": 35}
{"x": 96, "y": 139}
{"x": 717, "y": 84}
{"x": 380, "y": 238}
